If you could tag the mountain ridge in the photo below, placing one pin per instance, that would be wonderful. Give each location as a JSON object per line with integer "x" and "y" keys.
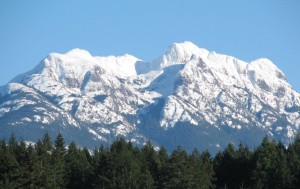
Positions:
{"x": 191, "y": 89}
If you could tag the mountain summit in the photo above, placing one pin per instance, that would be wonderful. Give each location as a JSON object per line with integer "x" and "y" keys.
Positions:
{"x": 188, "y": 96}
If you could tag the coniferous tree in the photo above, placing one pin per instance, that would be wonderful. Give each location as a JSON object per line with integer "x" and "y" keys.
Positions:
{"x": 58, "y": 162}
{"x": 196, "y": 167}
{"x": 293, "y": 159}
{"x": 244, "y": 166}
{"x": 178, "y": 172}
{"x": 146, "y": 178}
{"x": 78, "y": 169}
{"x": 201, "y": 169}
{"x": 44, "y": 149}
{"x": 122, "y": 165}
{"x": 163, "y": 174}
{"x": 9, "y": 167}
{"x": 32, "y": 168}
{"x": 282, "y": 175}
{"x": 87, "y": 154}
{"x": 59, "y": 144}
{"x": 153, "y": 163}
{"x": 264, "y": 160}
{"x": 224, "y": 162}
{"x": 47, "y": 143}
{"x": 102, "y": 172}
{"x": 20, "y": 155}
{"x": 125, "y": 167}
{"x": 13, "y": 144}
{"x": 208, "y": 178}
{"x": 271, "y": 170}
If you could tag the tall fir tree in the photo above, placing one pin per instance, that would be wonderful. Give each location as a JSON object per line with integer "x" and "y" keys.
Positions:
{"x": 293, "y": 159}
{"x": 44, "y": 149}
{"x": 78, "y": 169}
{"x": 163, "y": 175}
{"x": 152, "y": 160}
{"x": 9, "y": 167}
{"x": 58, "y": 162}
{"x": 126, "y": 168}
{"x": 271, "y": 170}
{"x": 224, "y": 162}
{"x": 178, "y": 172}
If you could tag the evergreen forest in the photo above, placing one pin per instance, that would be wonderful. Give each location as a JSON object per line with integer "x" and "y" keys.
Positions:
{"x": 52, "y": 164}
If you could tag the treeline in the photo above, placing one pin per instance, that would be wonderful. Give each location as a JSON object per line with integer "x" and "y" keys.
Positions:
{"x": 122, "y": 165}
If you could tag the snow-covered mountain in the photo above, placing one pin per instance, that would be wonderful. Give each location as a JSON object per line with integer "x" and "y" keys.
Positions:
{"x": 188, "y": 96}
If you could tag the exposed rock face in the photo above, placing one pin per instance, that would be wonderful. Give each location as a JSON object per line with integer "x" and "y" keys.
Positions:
{"x": 188, "y": 96}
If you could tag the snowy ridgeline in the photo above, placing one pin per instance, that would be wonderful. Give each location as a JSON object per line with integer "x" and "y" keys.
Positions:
{"x": 187, "y": 93}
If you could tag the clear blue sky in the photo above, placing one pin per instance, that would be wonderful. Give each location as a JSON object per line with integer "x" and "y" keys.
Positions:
{"x": 248, "y": 29}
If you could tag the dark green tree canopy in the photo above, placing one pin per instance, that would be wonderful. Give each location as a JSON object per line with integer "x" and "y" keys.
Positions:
{"x": 50, "y": 164}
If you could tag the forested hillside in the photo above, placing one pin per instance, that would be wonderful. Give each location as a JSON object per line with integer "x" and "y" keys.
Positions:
{"x": 48, "y": 164}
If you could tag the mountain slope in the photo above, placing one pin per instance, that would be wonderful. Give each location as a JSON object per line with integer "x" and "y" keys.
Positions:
{"x": 187, "y": 96}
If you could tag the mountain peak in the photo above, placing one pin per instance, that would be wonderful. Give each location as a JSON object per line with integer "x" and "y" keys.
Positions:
{"x": 180, "y": 53}
{"x": 184, "y": 45}
{"x": 264, "y": 63}
{"x": 185, "y": 49}
{"x": 79, "y": 53}
{"x": 266, "y": 70}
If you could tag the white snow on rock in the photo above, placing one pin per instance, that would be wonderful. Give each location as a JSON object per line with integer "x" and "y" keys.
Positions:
{"x": 197, "y": 85}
